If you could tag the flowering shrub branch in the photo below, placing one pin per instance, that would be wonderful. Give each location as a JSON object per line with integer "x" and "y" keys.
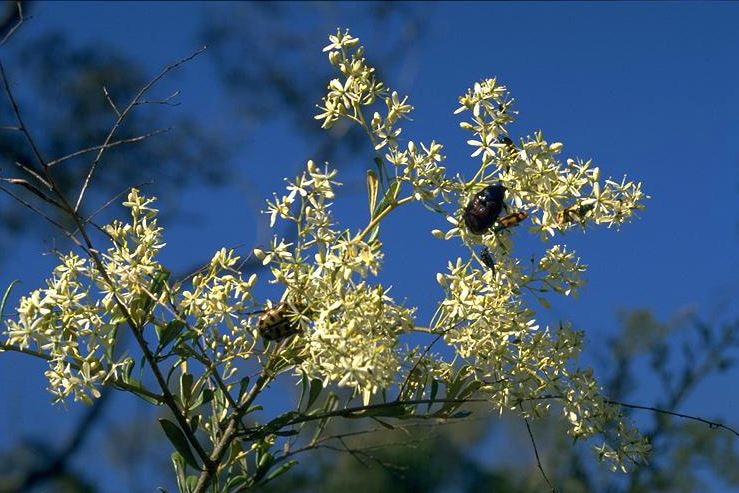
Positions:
{"x": 334, "y": 327}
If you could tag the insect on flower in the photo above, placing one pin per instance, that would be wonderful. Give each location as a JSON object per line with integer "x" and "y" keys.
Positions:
{"x": 275, "y": 324}
{"x": 487, "y": 259}
{"x": 511, "y": 220}
{"x": 507, "y": 141}
{"x": 574, "y": 213}
{"x": 484, "y": 208}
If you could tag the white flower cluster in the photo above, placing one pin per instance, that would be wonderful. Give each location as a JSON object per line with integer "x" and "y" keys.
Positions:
{"x": 349, "y": 328}
{"x": 345, "y": 330}
{"x": 75, "y": 319}
{"x": 483, "y": 315}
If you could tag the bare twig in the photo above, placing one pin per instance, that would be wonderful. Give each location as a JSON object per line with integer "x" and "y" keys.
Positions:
{"x": 115, "y": 198}
{"x": 711, "y": 424}
{"x": 536, "y": 454}
{"x": 130, "y": 140}
{"x": 166, "y": 101}
{"x": 25, "y": 184}
{"x": 19, "y": 118}
{"x": 32, "y": 172}
{"x": 136, "y": 100}
{"x": 420, "y": 358}
{"x": 110, "y": 102}
{"x": 19, "y": 21}
{"x": 27, "y": 204}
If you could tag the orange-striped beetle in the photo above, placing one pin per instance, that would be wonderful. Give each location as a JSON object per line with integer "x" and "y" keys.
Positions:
{"x": 574, "y": 213}
{"x": 513, "y": 219}
{"x": 275, "y": 324}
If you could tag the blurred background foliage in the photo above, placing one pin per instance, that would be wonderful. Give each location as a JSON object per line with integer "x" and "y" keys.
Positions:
{"x": 58, "y": 83}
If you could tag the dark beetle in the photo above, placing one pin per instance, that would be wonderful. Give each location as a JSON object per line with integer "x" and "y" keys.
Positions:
{"x": 487, "y": 259}
{"x": 506, "y": 140}
{"x": 275, "y": 324}
{"x": 484, "y": 208}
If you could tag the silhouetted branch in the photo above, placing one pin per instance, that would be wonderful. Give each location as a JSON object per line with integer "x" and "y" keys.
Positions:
{"x": 136, "y": 100}
{"x": 12, "y": 22}
{"x": 130, "y": 140}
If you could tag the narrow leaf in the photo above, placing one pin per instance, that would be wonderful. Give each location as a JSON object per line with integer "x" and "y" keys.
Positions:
{"x": 434, "y": 391}
{"x": 243, "y": 385}
{"x": 316, "y": 386}
{"x": 388, "y": 199}
{"x": 281, "y": 470}
{"x": 5, "y": 297}
{"x": 372, "y": 189}
{"x": 185, "y": 387}
{"x": 179, "y": 441}
{"x": 168, "y": 333}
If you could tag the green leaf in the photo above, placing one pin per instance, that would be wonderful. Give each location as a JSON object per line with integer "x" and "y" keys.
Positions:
{"x": 392, "y": 411}
{"x": 434, "y": 391}
{"x": 156, "y": 288}
{"x": 204, "y": 397}
{"x": 281, "y": 470}
{"x": 330, "y": 405}
{"x": 264, "y": 464}
{"x": 168, "y": 333}
{"x": 243, "y": 385}
{"x": 286, "y": 433}
{"x": 191, "y": 482}
{"x": 237, "y": 483}
{"x": 137, "y": 388}
{"x": 316, "y": 386}
{"x": 372, "y": 190}
{"x": 5, "y": 297}
{"x": 185, "y": 388}
{"x": 470, "y": 389}
{"x": 543, "y": 302}
{"x": 179, "y": 467}
{"x": 280, "y": 421}
{"x": 179, "y": 441}
{"x": 194, "y": 422}
{"x": 388, "y": 199}
{"x": 381, "y": 169}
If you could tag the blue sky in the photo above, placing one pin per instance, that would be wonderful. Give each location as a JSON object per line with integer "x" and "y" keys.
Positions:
{"x": 650, "y": 90}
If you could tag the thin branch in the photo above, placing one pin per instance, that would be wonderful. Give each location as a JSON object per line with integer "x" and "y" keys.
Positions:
{"x": 25, "y": 203}
{"x": 166, "y": 101}
{"x": 107, "y": 204}
{"x": 711, "y": 424}
{"x": 18, "y": 23}
{"x": 231, "y": 431}
{"x": 19, "y": 118}
{"x": 130, "y": 140}
{"x": 32, "y": 172}
{"x": 110, "y": 102}
{"x": 536, "y": 454}
{"x": 23, "y": 183}
{"x": 426, "y": 351}
{"x": 136, "y": 99}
